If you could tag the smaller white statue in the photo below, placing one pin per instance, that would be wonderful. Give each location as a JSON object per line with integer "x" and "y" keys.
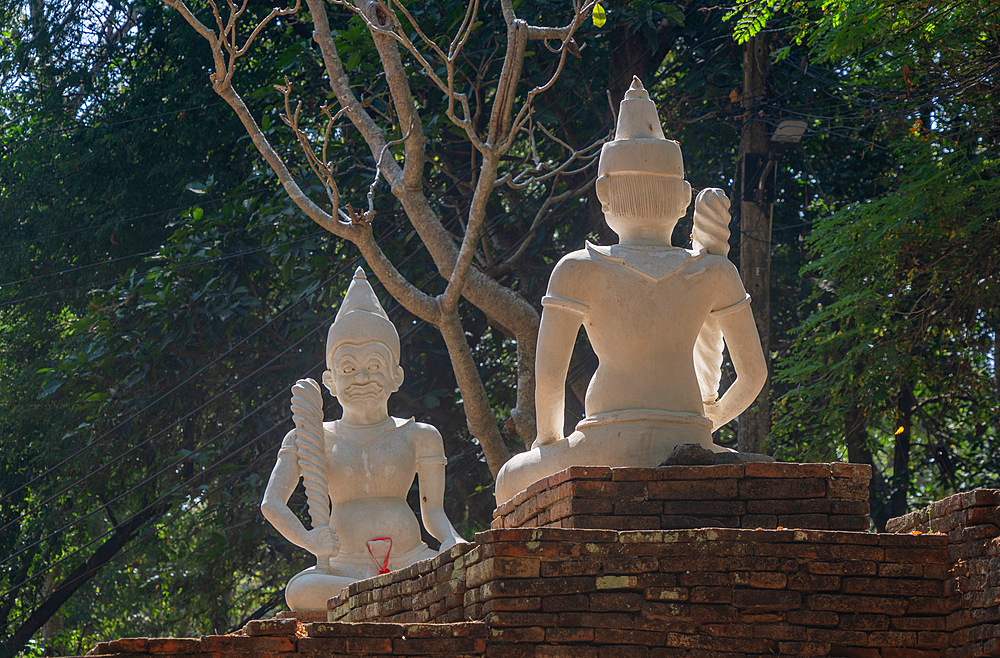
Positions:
{"x": 357, "y": 470}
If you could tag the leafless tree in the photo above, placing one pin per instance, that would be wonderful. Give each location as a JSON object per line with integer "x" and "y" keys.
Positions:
{"x": 398, "y": 38}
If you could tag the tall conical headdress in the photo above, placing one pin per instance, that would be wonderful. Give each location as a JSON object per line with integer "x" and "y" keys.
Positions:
{"x": 361, "y": 319}
{"x": 639, "y": 145}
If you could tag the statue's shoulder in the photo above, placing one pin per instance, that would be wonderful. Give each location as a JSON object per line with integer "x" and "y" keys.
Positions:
{"x": 576, "y": 263}
{"x": 426, "y": 439}
{"x": 577, "y": 259}
{"x": 571, "y": 278}
{"x": 414, "y": 427}
{"x": 715, "y": 261}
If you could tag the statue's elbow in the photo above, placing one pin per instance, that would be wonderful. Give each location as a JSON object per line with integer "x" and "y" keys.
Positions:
{"x": 268, "y": 508}
{"x": 759, "y": 375}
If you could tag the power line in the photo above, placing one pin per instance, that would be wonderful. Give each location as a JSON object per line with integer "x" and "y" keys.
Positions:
{"x": 154, "y": 213}
{"x": 171, "y": 268}
{"x": 351, "y": 263}
{"x": 164, "y": 396}
{"x": 155, "y": 502}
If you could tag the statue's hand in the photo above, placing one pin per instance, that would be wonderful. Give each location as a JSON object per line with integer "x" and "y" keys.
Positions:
{"x": 322, "y": 540}
{"x": 714, "y": 413}
{"x": 451, "y": 541}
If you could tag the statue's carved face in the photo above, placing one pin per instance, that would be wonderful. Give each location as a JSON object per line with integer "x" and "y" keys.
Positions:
{"x": 362, "y": 374}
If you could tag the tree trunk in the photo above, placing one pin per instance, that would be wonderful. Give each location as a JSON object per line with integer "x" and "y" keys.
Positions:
{"x": 755, "y": 230}
{"x": 901, "y": 451}
{"x": 122, "y": 534}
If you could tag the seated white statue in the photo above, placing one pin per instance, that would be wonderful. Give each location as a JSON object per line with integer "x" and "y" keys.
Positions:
{"x": 645, "y": 304}
{"x": 363, "y": 463}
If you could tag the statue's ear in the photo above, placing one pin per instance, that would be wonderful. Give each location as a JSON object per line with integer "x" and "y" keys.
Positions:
{"x": 329, "y": 383}
{"x": 398, "y": 379}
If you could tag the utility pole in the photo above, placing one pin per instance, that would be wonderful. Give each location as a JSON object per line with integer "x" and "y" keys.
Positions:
{"x": 756, "y": 203}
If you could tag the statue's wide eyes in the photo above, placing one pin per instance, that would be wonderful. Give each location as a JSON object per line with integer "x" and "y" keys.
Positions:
{"x": 348, "y": 370}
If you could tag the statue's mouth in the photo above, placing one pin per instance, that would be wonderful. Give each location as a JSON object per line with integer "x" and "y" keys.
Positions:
{"x": 369, "y": 390}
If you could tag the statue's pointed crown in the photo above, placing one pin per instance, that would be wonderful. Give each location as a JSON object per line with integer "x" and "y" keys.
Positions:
{"x": 361, "y": 319}
{"x": 639, "y": 145}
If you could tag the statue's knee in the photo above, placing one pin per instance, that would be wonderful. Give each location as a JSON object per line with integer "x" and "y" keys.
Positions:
{"x": 311, "y": 589}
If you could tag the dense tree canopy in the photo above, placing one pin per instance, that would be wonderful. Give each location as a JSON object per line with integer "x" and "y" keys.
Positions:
{"x": 159, "y": 292}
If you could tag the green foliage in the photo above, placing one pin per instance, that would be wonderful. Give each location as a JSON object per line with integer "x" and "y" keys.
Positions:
{"x": 894, "y": 356}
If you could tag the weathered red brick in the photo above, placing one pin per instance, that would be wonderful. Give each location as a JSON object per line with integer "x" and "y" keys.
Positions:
{"x": 715, "y": 472}
{"x": 669, "y": 612}
{"x": 804, "y": 648}
{"x": 841, "y": 469}
{"x": 271, "y": 627}
{"x": 787, "y": 470}
{"x": 321, "y": 646}
{"x": 777, "y": 488}
{"x": 247, "y": 644}
{"x": 630, "y": 636}
{"x": 511, "y": 604}
{"x": 837, "y": 636}
{"x": 786, "y": 506}
{"x": 767, "y": 580}
{"x": 854, "y": 652}
{"x": 636, "y": 507}
{"x": 518, "y": 634}
{"x": 765, "y": 521}
{"x": 604, "y": 490}
{"x": 636, "y": 474}
{"x": 130, "y": 645}
{"x": 847, "y": 489}
{"x": 556, "y": 651}
{"x": 622, "y": 651}
{"x": 766, "y": 600}
{"x": 704, "y": 507}
{"x": 454, "y": 646}
{"x": 711, "y": 595}
{"x": 615, "y": 601}
{"x": 617, "y": 522}
{"x": 693, "y": 489}
{"x": 501, "y": 567}
{"x": 813, "y": 618}
{"x": 892, "y": 586}
{"x": 860, "y": 604}
{"x": 595, "y": 619}
{"x": 561, "y": 634}
{"x": 176, "y": 644}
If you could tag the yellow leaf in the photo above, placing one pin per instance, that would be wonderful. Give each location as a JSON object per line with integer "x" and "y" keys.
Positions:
{"x": 598, "y": 15}
{"x": 899, "y": 430}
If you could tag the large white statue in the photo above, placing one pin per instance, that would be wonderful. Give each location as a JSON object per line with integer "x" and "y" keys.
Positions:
{"x": 656, "y": 316}
{"x": 364, "y": 463}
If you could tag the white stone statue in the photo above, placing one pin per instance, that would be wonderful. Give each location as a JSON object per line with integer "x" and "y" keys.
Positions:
{"x": 363, "y": 463}
{"x": 656, "y": 316}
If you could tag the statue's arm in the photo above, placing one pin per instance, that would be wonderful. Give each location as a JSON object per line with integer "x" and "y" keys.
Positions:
{"x": 740, "y": 333}
{"x": 562, "y": 316}
{"x": 284, "y": 478}
{"x": 431, "y": 463}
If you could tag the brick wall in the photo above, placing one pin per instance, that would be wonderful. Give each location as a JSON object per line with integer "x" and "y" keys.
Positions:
{"x": 971, "y": 521}
{"x": 552, "y": 591}
{"x": 285, "y": 638}
{"x": 755, "y": 495}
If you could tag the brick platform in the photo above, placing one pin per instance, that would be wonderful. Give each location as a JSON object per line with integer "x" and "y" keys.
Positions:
{"x": 754, "y": 495}
{"x": 929, "y": 587}
{"x": 553, "y": 591}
